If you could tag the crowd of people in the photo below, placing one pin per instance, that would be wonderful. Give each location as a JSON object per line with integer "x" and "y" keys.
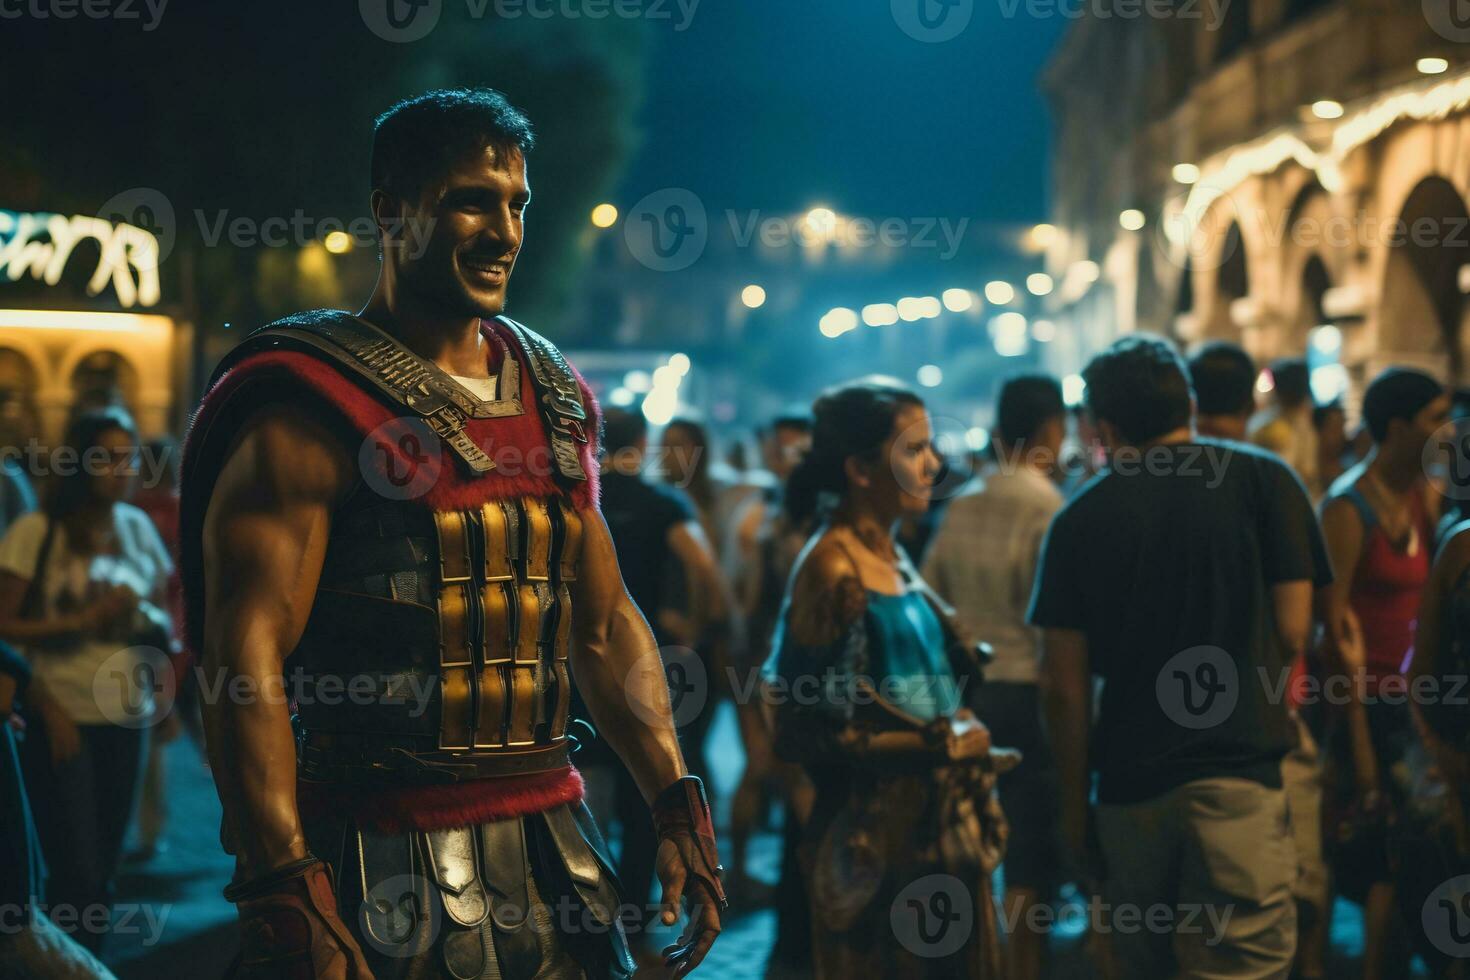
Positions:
{"x": 1218, "y": 680}
{"x": 1185, "y": 654}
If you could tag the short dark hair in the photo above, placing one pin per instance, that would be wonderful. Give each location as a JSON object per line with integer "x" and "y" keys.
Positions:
{"x": 416, "y": 141}
{"x": 796, "y": 421}
{"x": 622, "y": 429}
{"x": 1026, "y": 403}
{"x": 1140, "y": 385}
{"x": 1291, "y": 380}
{"x": 1224, "y": 378}
{"x": 1397, "y": 393}
{"x": 1321, "y": 412}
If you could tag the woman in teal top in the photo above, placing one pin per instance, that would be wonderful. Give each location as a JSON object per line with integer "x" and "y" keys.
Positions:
{"x": 869, "y": 682}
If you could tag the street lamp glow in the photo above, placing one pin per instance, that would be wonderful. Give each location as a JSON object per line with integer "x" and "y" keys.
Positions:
{"x": 753, "y": 296}
{"x": 822, "y": 222}
{"x": 1042, "y": 237}
{"x": 838, "y": 322}
{"x": 880, "y": 315}
{"x": 604, "y": 216}
{"x": 1009, "y": 333}
{"x": 1432, "y": 66}
{"x": 931, "y": 376}
{"x": 999, "y": 292}
{"x": 958, "y": 300}
{"x": 337, "y": 242}
{"x": 1327, "y": 109}
{"x": 1186, "y": 173}
{"x": 1132, "y": 219}
{"x": 1040, "y": 284}
{"x": 1327, "y": 340}
{"x": 910, "y": 308}
{"x": 680, "y": 363}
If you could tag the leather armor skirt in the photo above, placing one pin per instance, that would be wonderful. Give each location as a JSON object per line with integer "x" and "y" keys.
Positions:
{"x": 533, "y": 897}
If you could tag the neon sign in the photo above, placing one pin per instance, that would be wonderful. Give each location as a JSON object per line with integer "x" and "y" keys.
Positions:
{"x": 41, "y": 244}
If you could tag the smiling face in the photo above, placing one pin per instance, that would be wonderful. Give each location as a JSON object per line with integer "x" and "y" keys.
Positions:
{"x": 456, "y": 246}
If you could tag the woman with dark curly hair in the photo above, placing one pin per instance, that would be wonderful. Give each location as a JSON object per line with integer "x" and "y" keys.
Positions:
{"x": 869, "y": 681}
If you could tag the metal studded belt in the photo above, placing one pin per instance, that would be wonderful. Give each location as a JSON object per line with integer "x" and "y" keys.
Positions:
{"x": 369, "y": 759}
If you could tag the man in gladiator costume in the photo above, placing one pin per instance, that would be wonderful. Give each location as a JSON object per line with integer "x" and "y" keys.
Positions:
{"x": 395, "y": 565}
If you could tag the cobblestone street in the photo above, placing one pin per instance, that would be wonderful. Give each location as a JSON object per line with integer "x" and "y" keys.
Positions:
{"x": 171, "y": 920}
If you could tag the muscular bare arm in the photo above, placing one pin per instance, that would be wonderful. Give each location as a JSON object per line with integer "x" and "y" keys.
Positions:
{"x": 616, "y": 663}
{"x": 265, "y": 536}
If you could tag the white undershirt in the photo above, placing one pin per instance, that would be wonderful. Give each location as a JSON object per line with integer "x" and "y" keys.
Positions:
{"x": 481, "y": 388}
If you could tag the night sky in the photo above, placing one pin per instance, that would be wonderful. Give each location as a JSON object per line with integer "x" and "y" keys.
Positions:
{"x": 781, "y": 104}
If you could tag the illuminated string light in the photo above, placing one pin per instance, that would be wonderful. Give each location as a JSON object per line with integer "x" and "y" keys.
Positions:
{"x": 1040, "y": 284}
{"x": 1226, "y": 171}
{"x": 604, "y": 216}
{"x": 880, "y": 315}
{"x": 753, "y": 296}
{"x": 958, "y": 300}
{"x": 999, "y": 292}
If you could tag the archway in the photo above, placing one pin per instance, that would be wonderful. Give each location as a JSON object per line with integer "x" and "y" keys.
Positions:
{"x": 1422, "y": 308}
{"x": 1231, "y": 283}
{"x": 19, "y": 418}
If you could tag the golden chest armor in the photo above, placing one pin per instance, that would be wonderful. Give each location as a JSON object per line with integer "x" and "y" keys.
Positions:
{"x": 437, "y": 647}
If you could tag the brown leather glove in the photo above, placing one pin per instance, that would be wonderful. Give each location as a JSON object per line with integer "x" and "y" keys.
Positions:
{"x": 291, "y": 930}
{"x": 688, "y": 866}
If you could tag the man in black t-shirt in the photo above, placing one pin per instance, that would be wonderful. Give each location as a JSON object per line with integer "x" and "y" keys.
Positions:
{"x": 1182, "y": 575}
{"x": 657, "y": 535}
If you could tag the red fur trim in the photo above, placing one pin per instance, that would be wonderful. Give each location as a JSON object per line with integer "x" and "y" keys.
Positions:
{"x": 396, "y": 811}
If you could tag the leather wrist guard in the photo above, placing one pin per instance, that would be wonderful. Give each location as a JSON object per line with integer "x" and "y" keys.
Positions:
{"x": 290, "y": 926}
{"x": 681, "y": 813}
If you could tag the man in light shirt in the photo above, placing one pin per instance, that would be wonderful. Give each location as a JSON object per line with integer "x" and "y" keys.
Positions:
{"x": 983, "y": 560}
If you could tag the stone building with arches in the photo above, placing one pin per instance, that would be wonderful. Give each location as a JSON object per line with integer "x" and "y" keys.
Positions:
{"x": 81, "y": 326}
{"x": 1293, "y": 177}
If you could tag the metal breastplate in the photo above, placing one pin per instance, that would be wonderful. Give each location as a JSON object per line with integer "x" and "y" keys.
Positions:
{"x": 437, "y": 646}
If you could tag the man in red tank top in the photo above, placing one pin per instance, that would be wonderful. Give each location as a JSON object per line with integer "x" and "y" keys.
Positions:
{"x": 1378, "y": 520}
